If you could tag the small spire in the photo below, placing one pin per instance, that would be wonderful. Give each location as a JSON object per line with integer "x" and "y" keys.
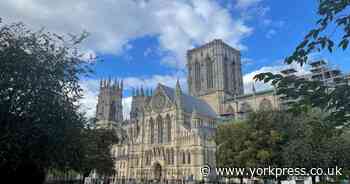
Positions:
{"x": 137, "y": 92}
{"x": 115, "y": 84}
{"x": 104, "y": 83}
{"x": 146, "y": 91}
{"x": 109, "y": 81}
{"x": 178, "y": 88}
{"x": 100, "y": 83}
{"x": 121, "y": 84}
{"x": 142, "y": 92}
{"x": 178, "y": 95}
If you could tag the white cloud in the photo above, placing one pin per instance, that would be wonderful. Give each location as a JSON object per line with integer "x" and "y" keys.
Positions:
{"x": 280, "y": 23}
{"x": 147, "y": 52}
{"x": 244, "y": 4}
{"x": 270, "y": 33}
{"x": 178, "y": 25}
{"x": 267, "y": 22}
{"x": 153, "y": 81}
{"x": 89, "y": 100}
{"x": 248, "y": 80}
{"x": 273, "y": 27}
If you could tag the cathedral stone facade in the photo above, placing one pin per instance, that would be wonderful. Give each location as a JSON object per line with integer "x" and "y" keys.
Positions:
{"x": 170, "y": 134}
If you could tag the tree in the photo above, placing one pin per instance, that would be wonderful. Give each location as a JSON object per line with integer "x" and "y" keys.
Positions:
{"x": 231, "y": 139}
{"x": 334, "y": 16}
{"x": 280, "y": 139}
{"x": 270, "y": 131}
{"x": 317, "y": 145}
{"x": 257, "y": 141}
{"x": 97, "y": 151}
{"x": 39, "y": 91}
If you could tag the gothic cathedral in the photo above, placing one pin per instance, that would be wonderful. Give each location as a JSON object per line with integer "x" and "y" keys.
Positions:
{"x": 170, "y": 134}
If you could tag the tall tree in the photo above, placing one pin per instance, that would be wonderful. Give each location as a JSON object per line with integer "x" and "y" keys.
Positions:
{"x": 39, "y": 92}
{"x": 258, "y": 141}
{"x": 98, "y": 153}
{"x": 231, "y": 140}
{"x": 317, "y": 145}
{"x": 270, "y": 131}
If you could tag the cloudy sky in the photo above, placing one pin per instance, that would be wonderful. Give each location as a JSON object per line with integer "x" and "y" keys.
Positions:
{"x": 144, "y": 41}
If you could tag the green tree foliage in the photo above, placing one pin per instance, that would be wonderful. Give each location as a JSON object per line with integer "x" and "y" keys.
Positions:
{"x": 270, "y": 130}
{"x": 256, "y": 142}
{"x": 318, "y": 145}
{"x": 332, "y": 30}
{"x": 280, "y": 139}
{"x": 40, "y": 125}
{"x": 334, "y": 20}
{"x": 231, "y": 140}
{"x": 97, "y": 151}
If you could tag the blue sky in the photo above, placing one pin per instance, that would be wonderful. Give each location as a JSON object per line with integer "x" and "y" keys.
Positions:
{"x": 145, "y": 41}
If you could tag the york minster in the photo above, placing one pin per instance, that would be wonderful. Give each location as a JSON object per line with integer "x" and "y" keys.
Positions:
{"x": 170, "y": 134}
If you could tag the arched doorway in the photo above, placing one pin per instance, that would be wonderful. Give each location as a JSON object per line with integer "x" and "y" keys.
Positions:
{"x": 157, "y": 169}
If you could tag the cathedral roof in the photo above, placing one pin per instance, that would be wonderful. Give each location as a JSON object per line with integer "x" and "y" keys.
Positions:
{"x": 190, "y": 103}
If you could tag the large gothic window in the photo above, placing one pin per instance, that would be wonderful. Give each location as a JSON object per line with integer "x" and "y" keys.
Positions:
{"x": 265, "y": 105}
{"x": 230, "y": 110}
{"x": 112, "y": 111}
{"x": 183, "y": 157}
{"x": 151, "y": 125}
{"x": 188, "y": 157}
{"x": 245, "y": 107}
{"x": 210, "y": 79}
{"x": 168, "y": 123}
{"x": 172, "y": 156}
{"x": 197, "y": 76}
{"x": 233, "y": 77}
{"x": 226, "y": 75}
{"x": 160, "y": 129}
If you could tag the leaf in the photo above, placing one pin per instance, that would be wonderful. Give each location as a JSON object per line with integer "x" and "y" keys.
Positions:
{"x": 344, "y": 44}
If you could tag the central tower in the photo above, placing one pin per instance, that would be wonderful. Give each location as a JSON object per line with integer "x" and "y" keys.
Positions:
{"x": 214, "y": 73}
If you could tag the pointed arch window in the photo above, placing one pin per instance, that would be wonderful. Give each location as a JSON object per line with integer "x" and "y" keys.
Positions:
{"x": 245, "y": 108}
{"x": 188, "y": 157}
{"x": 160, "y": 129}
{"x": 151, "y": 124}
{"x": 172, "y": 153}
{"x": 226, "y": 74}
{"x": 210, "y": 80}
{"x": 183, "y": 157}
{"x": 265, "y": 105}
{"x": 230, "y": 110}
{"x": 233, "y": 73}
{"x": 168, "y": 123}
{"x": 197, "y": 75}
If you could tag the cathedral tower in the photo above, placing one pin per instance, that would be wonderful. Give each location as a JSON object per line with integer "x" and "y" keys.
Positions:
{"x": 109, "y": 105}
{"x": 139, "y": 97}
{"x": 214, "y": 73}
